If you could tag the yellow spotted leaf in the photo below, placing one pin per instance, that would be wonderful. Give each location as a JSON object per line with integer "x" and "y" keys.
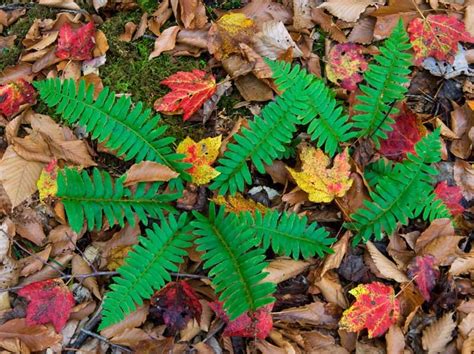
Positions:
{"x": 47, "y": 185}
{"x": 237, "y": 204}
{"x": 323, "y": 184}
{"x": 201, "y": 155}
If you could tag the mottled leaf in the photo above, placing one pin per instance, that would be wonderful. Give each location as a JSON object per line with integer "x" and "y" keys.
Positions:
{"x": 15, "y": 94}
{"x": 451, "y": 197}
{"x": 47, "y": 182}
{"x": 345, "y": 65}
{"x": 76, "y": 44}
{"x": 426, "y": 273}
{"x": 238, "y": 204}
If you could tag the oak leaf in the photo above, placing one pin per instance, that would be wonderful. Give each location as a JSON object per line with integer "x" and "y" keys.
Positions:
{"x": 189, "y": 91}
{"x": 451, "y": 197}
{"x": 437, "y": 36}
{"x": 15, "y": 94}
{"x": 345, "y": 65}
{"x": 201, "y": 155}
{"x": 425, "y": 273}
{"x": 50, "y": 301}
{"x": 376, "y": 309}
{"x": 321, "y": 183}
{"x": 76, "y": 44}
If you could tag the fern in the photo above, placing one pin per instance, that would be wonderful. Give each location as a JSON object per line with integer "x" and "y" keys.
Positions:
{"x": 87, "y": 198}
{"x": 377, "y": 170}
{"x": 328, "y": 125}
{"x": 131, "y": 132}
{"x": 288, "y": 234}
{"x": 384, "y": 87}
{"x": 147, "y": 267}
{"x": 396, "y": 197}
{"x": 236, "y": 267}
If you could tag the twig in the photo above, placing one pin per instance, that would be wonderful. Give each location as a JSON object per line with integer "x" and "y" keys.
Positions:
{"x": 82, "y": 336}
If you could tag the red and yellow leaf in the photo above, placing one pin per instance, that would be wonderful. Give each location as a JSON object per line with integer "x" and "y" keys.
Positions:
{"x": 375, "y": 308}
{"x": 47, "y": 182}
{"x": 451, "y": 197}
{"x": 189, "y": 91}
{"x": 15, "y": 94}
{"x": 201, "y": 155}
{"x": 76, "y": 44}
{"x": 346, "y": 64}
{"x": 323, "y": 184}
{"x": 50, "y": 301}
{"x": 438, "y": 36}
{"x": 238, "y": 204}
{"x": 426, "y": 274}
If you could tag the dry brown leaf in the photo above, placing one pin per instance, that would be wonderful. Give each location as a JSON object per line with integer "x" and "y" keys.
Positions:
{"x": 149, "y": 171}
{"x": 444, "y": 249}
{"x": 395, "y": 340}
{"x": 355, "y": 196}
{"x": 253, "y": 89}
{"x": 101, "y": 44}
{"x": 35, "y": 262}
{"x": 9, "y": 268}
{"x": 274, "y": 40}
{"x": 468, "y": 345}
{"x": 30, "y": 226}
{"x": 385, "y": 266}
{"x": 278, "y": 172}
{"x": 36, "y": 337}
{"x": 325, "y": 21}
{"x": 62, "y": 4}
{"x": 462, "y": 120}
{"x": 99, "y": 4}
{"x": 462, "y": 264}
{"x": 51, "y": 270}
{"x": 262, "y": 11}
{"x": 142, "y": 26}
{"x": 469, "y": 17}
{"x": 334, "y": 260}
{"x": 166, "y": 41}
{"x": 332, "y": 290}
{"x": 80, "y": 266}
{"x": 466, "y": 327}
{"x": 5, "y": 204}
{"x": 192, "y": 13}
{"x": 346, "y": 10}
{"x": 436, "y": 336}
{"x": 363, "y": 31}
{"x": 302, "y": 14}
{"x": 464, "y": 177}
{"x": 283, "y": 269}
{"x": 398, "y": 250}
{"x": 73, "y": 151}
{"x": 63, "y": 239}
{"x": 439, "y": 227}
{"x": 18, "y": 176}
{"x": 316, "y": 314}
{"x": 466, "y": 306}
{"x": 129, "y": 30}
{"x": 134, "y": 319}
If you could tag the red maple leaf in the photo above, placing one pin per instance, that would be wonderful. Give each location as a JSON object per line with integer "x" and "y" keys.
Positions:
{"x": 14, "y": 94}
{"x": 451, "y": 197}
{"x": 256, "y": 325}
{"x": 375, "y": 308}
{"x": 76, "y": 44}
{"x": 345, "y": 65}
{"x": 426, "y": 273}
{"x": 438, "y": 36}
{"x": 50, "y": 301}
{"x": 403, "y": 137}
{"x": 175, "y": 305}
{"x": 189, "y": 91}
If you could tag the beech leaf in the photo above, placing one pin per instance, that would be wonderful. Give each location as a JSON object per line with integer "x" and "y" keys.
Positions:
{"x": 76, "y": 44}
{"x": 321, "y": 183}
{"x": 437, "y": 335}
{"x": 149, "y": 171}
{"x": 189, "y": 91}
{"x": 50, "y": 301}
{"x": 426, "y": 273}
{"x": 15, "y": 94}
{"x": 375, "y": 308}
{"x": 345, "y": 65}
{"x": 451, "y": 197}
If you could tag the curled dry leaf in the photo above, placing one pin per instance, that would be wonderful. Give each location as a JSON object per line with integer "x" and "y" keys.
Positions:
{"x": 35, "y": 262}
{"x": 80, "y": 266}
{"x": 274, "y": 41}
{"x": 334, "y": 260}
{"x": 346, "y": 10}
{"x": 325, "y": 21}
{"x": 316, "y": 314}
{"x": 134, "y": 319}
{"x": 331, "y": 289}
{"x": 385, "y": 266}
{"x": 345, "y": 65}
{"x": 436, "y": 336}
{"x": 149, "y": 171}
{"x": 165, "y": 41}
{"x": 462, "y": 264}
{"x": 464, "y": 177}
{"x": 129, "y": 30}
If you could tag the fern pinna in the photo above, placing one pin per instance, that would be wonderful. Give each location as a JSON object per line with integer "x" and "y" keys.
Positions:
{"x": 131, "y": 132}
{"x": 86, "y": 198}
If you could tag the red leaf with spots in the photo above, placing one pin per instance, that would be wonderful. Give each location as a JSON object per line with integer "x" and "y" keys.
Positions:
{"x": 14, "y": 94}
{"x": 438, "y": 36}
{"x": 256, "y": 325}
{"x": 346, "y": 64}
{"x": 76, "y": 44}
{"x": 426, "y": 273}
{"x": 403, "y": 137}
{"x": 375, "y": 308}
{"x": 175, "y": 305}
{"x": 451, "y": 197}
{"x": 189, "y": 91}
{"x": 50, "y": 301}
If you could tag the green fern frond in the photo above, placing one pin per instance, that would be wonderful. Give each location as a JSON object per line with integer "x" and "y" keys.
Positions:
{"x": 130, "y": 131}
{"x": 147, "y": 267}
{"x": 396, "y": 197}
{"x": 87, "y": 198}
{"x": 236, "y": 266}
{"x": 328, "y": 125}
{"x": 431, "y": 208}
{"x": 288, "y": 234}
{"x": 384, "y": 86}
{"x": 377, "y": 170}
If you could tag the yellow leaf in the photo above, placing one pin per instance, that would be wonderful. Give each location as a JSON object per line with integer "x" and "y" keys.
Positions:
{"x": 201, "y": 155}
{"x": 47, "y": 185}
{"x": 239, "y": 204}
{"x": 321, "y": 183}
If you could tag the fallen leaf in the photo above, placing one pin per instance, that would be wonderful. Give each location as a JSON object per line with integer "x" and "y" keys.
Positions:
{"x": 274, "y": 41}
{"x": 322, "y": 184}
{"x": 346, "y": 64}
{"x": 376, "y": 309}
{"x": 99, "y": 4}
{"x": 386, "y": 267}
{"x": 436, "y": 336}
{"x": 76, "y": 44}
{"x": 192, "y": 14}
{"x": 189, "y": 91}
{"x": 15, "y": 94}
{"x": 325, "y": 21}
{"x": 302, "y": 14}
{"x": 175, "y": 305}
{"x": 464, "y": 177}
{"x": 346, "y": 10}
{"x": 129, "y": 30}
{"x": 463, "y": 264}
{"x": 462, "y": 121}
{"x": 47, "y": 181}
{"x": 29, "y": 226}
{"x": 438, "y": 36}
{"x": 165, "y": 41}
{"x": 80, "y": 266}
{"x": 257, "y": 325}
{"x": 425, "y": 273}
{"x": 9, "y": 270}
{"x": 282, "y": 269}
{"x": 62, "y": 4}
{"x": 333, "y": 260}
{"x": 314, "y": 314}
{"x": 262, "y": 11}
{"x": 238, "y": 204}
{"x": 438, "y": 228}
{"x": 35, "y": 262}
{"x": 201, "y": 155}
{"x": 142, "y": 27}
{"x": 466, "y": 327}
{"x": 451, "y": 197}
{"x": 395, "y": 340}
{"x": 363, "y": 31}
{"x": 149, "y": 171}
{"x": 51, "y": 269}
{"x": 331, "y": 289}
{"x": 50, "y": 301}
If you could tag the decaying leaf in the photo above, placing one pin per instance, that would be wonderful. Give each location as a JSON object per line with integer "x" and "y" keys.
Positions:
{"x": 76, "y": 44}
{"x": 439, "y": 334}
{"x": 50, "y": 301}
{"x": 451, "y": 197}
{"x": 345, "y": 65}
{"x": 47, "y": 185}
{"x": 346, "y": 10}
{"x": 189, "y": 92}
{"x": 15, "y": 94}
{"x": 201, "y": 155}
{"x": 237, "y": 204}
{"x": 425, "y": 273}
{"x": 322, "y": 184}
{"x": 376, "y": 309}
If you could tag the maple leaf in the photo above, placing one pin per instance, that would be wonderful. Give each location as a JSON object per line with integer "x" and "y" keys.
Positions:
{"x": 50, "y": 301}
{"x": 375, "y": 308}
{"x": 201, "y": 155}
{"x": 189, "y": 91}
{"x": 175, "y": 305}
{"x": 437, "y": 36}
{"x": 238, "y": 204}
{"x": 47, "y": 185}
{"x": 257, "y": 325}
{"x": 403, "y": 137}
{"x": 451, "y": 197}
{"x": 345, "y": 65}
{"x": 321, "y": 183}
{"x": 76, "y": 44}
{"x": 426, "y": 273}
{"x": 14, "y": 94}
